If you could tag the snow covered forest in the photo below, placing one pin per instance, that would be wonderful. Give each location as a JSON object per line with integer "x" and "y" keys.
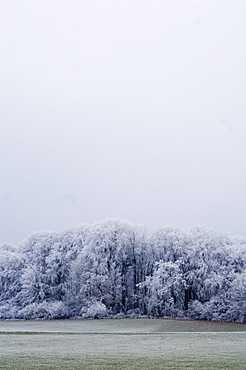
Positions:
{"x": 117, "y": 269}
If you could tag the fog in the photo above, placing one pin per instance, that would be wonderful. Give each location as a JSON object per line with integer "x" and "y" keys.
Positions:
{"x": 127, "y": 109}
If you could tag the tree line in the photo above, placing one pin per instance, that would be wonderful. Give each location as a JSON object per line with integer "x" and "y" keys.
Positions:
{"x": 114, "y": 268}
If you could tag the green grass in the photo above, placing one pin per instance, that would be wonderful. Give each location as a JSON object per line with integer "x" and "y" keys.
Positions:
{"x": 122, "y": 344}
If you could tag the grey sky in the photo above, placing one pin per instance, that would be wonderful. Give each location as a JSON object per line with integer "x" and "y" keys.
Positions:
{"x": 129, "y": 109}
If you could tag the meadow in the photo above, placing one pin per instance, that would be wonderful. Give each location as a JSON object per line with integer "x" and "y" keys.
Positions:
{"x": 122, "y": 344}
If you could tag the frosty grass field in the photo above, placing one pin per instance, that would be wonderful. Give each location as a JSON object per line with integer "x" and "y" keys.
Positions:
{"x": 122, "y": 344}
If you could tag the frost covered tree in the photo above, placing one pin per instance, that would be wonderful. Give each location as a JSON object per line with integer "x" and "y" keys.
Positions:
{"x": 11, "y": 265}
{"x": 165, "y": 290}
{"x": 116, "y": 268}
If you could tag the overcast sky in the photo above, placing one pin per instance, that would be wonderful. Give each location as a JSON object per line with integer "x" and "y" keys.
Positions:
{"x": 132, "y": 109}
